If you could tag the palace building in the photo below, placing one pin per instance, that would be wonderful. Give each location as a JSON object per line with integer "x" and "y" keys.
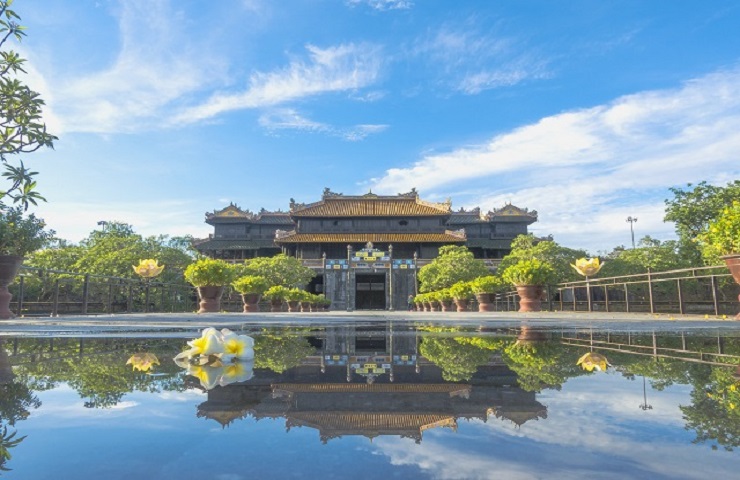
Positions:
{"x": 365, "y": 249}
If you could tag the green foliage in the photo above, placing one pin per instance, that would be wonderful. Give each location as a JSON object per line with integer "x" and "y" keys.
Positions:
{"x": 526, "y": 247}
{"x": 693, "y": 209}
{"x": 488, "y": 284}
{"x": 454, "y": 264}
{"x": 21, "y": 127}
{"x": 209, "y": 272}
{"x": 295, "y": 295}
{"x": 529, "y": 272}
{"x": 722, "y": 236}
{"x": 21, "y": 235}
{"x": 250, "y": 284}
{"x": 279, "y": 270}
{"x": 649, "y": 253}
{"x": 458, "y": 361}
{"x": 443, "y": 295}
{"x": 280, "y": 352}
{"x": 277, "y": 292}
{"x": 113, "y": 251}
{"x": 461, "y": 291}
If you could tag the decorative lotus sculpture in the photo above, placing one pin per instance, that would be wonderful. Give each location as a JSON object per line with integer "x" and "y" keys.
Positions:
{"x": 218, "y": 358}
{"x": 143, "y": 361}
{"x": 148, "y": 268}
{"x": 588, "y": 267}
{"x": 593, "y": 361}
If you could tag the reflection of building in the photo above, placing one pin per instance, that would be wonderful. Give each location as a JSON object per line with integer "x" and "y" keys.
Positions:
{"x": 365, "y": 249}
{"x": 373, "y": 383}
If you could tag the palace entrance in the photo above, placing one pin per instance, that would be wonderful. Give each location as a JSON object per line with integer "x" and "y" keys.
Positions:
{"x": 370, "y": 292}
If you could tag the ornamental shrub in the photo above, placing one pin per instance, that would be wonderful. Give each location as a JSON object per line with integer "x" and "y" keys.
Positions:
{"x": 462, "y": 290}
{"x": 250, "y": 284}
{"x": 210, "y": 272}
{"x": 488, "y": 284}
{"x": 529, "y": 272}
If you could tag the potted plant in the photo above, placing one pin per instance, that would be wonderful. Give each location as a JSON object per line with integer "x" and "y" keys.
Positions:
{"x": 444, "y": 298}
{"x": 293, "y": 297}
{"x": 485, "y": 290}
{"x": 19, "y": 236}
{"x": 210, "y": 276}
{"x": 251, "y": 288}
{"x": 721, "y": 241}
{"x": 529, "y": 277}
{"x": 276, "y": 294}
{"x": 461, "y": 293}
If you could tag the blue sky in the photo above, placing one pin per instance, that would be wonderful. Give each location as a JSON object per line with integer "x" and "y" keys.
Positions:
{"x": 586, "y": 111}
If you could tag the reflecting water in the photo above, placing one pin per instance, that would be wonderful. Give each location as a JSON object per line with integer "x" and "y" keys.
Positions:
{"x": 389, "y": 401}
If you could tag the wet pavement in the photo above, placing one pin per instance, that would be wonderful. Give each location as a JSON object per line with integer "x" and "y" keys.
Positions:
{"x": 182, "y": 324}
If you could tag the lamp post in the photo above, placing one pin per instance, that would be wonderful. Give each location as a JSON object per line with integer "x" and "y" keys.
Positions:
{"x": 644, "y": 405}
{"x": 632, "y": 221}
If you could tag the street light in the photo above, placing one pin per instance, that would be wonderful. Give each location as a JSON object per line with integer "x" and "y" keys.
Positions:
{"x": 632, "y": 221}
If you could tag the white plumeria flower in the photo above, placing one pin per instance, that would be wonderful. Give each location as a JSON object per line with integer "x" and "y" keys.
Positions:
{"x": 240, "y": 347}
{"x": 237, "y": 372}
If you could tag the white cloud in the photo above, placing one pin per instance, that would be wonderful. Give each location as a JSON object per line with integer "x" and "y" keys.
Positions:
{"x": 340, "y": 68}
{"x": 470, "y": 61}
{"x": 158, "y": 64}
{"x": 382, "y": 4}
{"x": 287, "y": 118}
{"x": 586, "y": 170}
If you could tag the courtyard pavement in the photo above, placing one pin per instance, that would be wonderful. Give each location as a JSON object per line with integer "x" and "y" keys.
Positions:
{"x": 184, "y": 324}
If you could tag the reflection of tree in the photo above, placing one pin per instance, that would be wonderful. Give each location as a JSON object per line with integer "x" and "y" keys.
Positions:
{"x": 16, "y": 399}
{"x": 714, "y": 413}
{"x": 280, "y": 352}
{"x": 458, "y": 361}
{"x": 541, "y": 364}
{"x": 97, "y": 369}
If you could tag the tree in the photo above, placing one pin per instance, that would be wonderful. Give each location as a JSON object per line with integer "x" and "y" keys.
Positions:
{"x": 527, "y": 247}
{"x": 21, "y": 127}
{"x": 454, "y": 264}
{"x": 279, "y": 270}
{"x": 649, "y": 253}
{"x": 694, "y": 208}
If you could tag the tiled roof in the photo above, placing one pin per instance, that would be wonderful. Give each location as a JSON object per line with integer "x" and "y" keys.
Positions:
{"x": 371, "y": 237}
{"x": 233, "y": 213}
{"x": 512, "y": 211}
{"x": 369, "y": 205}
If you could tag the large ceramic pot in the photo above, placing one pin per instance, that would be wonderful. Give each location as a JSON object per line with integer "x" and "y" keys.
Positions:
{"x": 485, "y": 302}
{"x": 9, "y": 266}
{"x": 447, "y": 305}
{"x": 733, "y": 264}
{"x": 276, "y": 305}
{"x": 251, "y": 302}
{"x": 210, "y": 299}
{"x": 530, "y": 297}
{"x": 293, "y": 306}
{"x": 462, "y": 304}
{"x": 305, "y": 306}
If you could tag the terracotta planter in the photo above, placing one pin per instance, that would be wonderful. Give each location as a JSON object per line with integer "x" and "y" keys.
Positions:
{"x": 733, "y": 264}
{"x": 210, "y": 299}
{"x": 434, "y": 306}
{"x": 530, "y": 297}
{"x": 305, "y": 306}
{"x": 251, "y": 302}
{"x": 485, "y": 302}
{"x": 276, "y": 305}
{"x": 462, "y": 304}
{"x": 427, "y": 307}
{"x": 9, "y": 266}
{"x": 447, "y": 305}
{"x": 293, "y": 305}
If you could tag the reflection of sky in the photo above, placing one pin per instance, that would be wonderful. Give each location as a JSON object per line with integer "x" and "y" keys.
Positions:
{"x": 594, "y": 429}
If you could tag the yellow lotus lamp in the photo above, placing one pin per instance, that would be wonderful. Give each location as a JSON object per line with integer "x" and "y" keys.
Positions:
{"x": 593, "y": 361}
{"x": 148, "y": 268}
{"x": 143, "y": 361}
{"x": 588, "y": 267}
